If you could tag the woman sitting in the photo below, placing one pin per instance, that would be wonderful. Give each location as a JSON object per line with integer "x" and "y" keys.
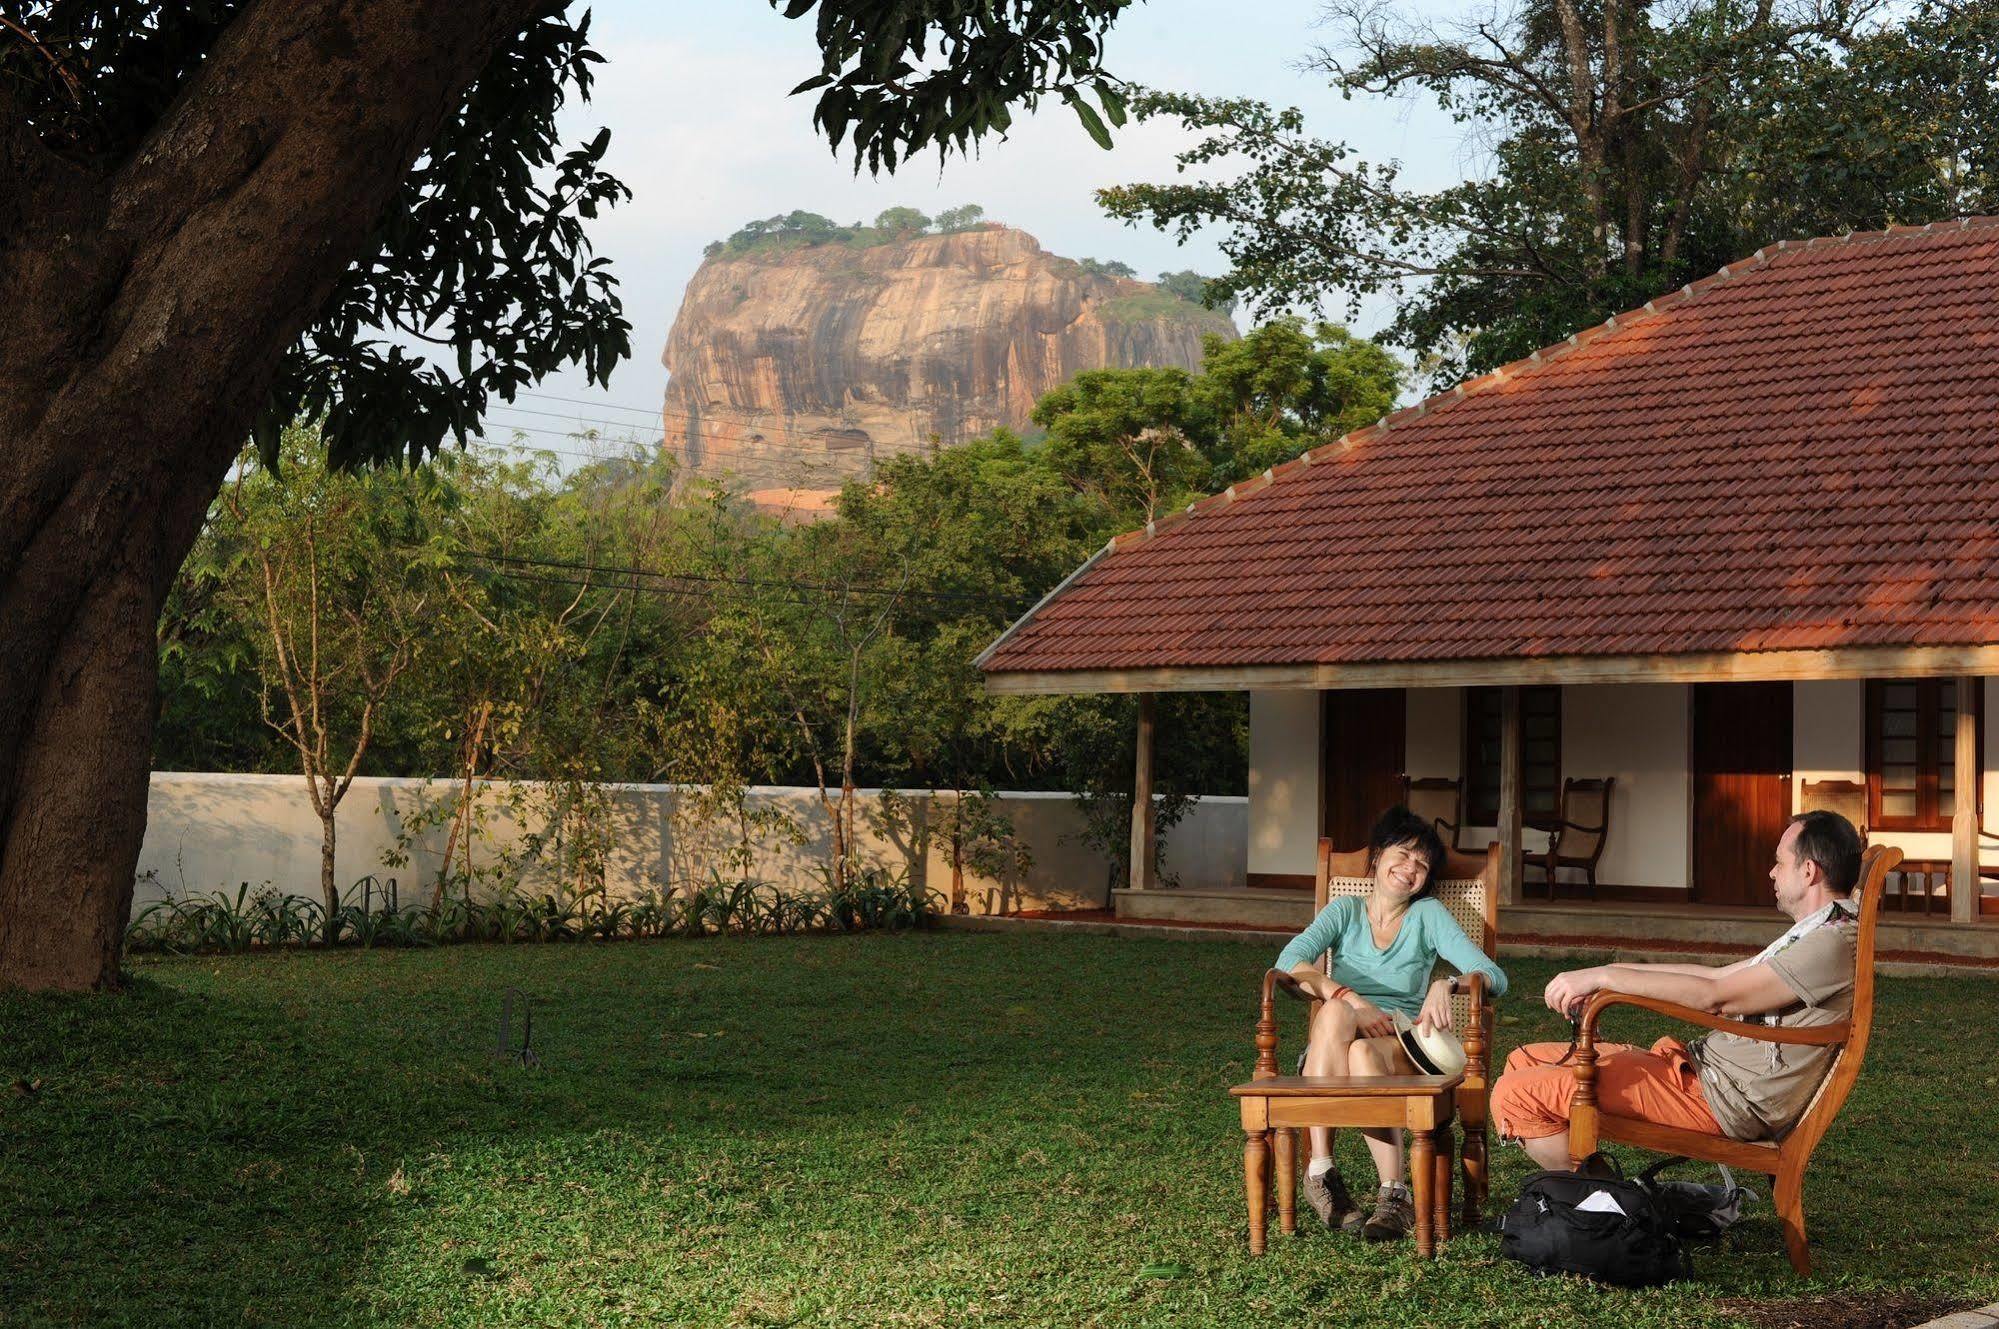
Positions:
{"x": 1384, "y": 946}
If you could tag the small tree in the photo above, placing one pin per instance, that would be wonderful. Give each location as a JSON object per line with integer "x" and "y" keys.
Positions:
{"x": 960, "y": 219}
{"x": 337, "y": 569}
{"x": 977, "y": 833}
{"x": 902, "y": 221}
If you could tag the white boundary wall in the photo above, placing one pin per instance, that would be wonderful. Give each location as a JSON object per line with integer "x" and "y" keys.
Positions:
{"x": 211, "y": 832}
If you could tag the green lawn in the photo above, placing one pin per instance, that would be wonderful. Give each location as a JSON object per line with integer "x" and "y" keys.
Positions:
{"x": 939, "y": 1128}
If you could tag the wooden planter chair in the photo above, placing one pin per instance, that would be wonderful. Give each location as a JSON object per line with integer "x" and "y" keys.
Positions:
{"x": 1785, "y": 1159}
{"x": 1439, "y": 801}
{"x": 1577, "y": 835}
{"x": 1470, "y": 890}
{"x": 1846, "y": 797}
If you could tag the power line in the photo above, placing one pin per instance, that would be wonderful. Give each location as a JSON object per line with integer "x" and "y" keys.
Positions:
{"x": 557, "y": 415}
{"x": 653, "y": 411}
{"x": 787, "y": 583}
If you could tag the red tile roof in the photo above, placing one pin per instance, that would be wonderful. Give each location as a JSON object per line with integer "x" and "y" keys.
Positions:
{"x": 1801, "y": 451}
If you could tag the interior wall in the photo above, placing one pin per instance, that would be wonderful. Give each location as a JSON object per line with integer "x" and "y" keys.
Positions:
{"x": 1283, "y": 782}
{"x": 1827, "y": 742}
{"x": 1435, "y": 744}
{"x": 1638, "y": 733}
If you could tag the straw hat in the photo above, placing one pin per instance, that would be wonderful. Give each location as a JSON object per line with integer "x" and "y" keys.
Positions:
{"x": 1432, "y": 1051}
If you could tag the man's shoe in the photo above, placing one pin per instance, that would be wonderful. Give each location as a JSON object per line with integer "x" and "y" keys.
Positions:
{"x": 1329, "y": 1198}
{"x": 1394, "y": 1215}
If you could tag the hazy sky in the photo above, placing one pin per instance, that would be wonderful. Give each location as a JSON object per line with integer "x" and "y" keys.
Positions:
{"x": 703, "y": 133}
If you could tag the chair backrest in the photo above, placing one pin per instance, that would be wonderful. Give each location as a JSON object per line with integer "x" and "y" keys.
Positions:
{"x": 1875, "y": 865}
{"x": 1439, "y": 800}
{"x": 1585, "y": 803}
{"x": 1469, "y": 889}
{"x": 1846, "y": 797}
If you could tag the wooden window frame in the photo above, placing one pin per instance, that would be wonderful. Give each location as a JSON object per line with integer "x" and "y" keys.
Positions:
{"x": 1480, "y": 814}
{"x": 1932, "y": 752}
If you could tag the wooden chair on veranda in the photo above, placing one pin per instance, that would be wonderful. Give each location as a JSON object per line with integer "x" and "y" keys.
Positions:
{"x": 1783, "y": 1160}
{"x": 1469, "y": 888}
{"x": 1439, "y": 801}
{"x": 1578, "y": 833}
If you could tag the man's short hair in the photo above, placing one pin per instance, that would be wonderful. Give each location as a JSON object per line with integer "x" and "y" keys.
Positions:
{"x": 1829, "y": 840}
{"x": 1399, "y": 825}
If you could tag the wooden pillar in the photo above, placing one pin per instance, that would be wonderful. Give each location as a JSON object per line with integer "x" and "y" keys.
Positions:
{"x": 1510, "y": 768}
{"x": 1964, "y": 885}
{"x": 1143, "y": 833}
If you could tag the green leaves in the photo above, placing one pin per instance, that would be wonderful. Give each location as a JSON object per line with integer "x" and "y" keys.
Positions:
{"x": 899, "y": 77}
{"x": 1730, "y": 127}
{"x": 1088, "y": 116}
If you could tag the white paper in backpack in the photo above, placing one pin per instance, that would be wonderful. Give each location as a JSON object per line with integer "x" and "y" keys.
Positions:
{"x": 1601, "y": 1202}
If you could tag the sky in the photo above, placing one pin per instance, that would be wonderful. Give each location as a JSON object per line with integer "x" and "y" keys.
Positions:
{"x": 705, "y": 136}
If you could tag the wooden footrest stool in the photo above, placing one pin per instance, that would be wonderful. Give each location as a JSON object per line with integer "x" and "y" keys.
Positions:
{"x": 1421, "y": 1104}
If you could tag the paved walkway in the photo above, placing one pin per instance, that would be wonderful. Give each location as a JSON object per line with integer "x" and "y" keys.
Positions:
{"x": 1985, "y": 1317}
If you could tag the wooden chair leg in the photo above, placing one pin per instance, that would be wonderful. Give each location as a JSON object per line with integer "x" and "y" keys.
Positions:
{"x": 1287, "y": 1181}
{"x": 1255, "y": 1155}
{"x": 1440, "y": 1186}
{"x": 1422, "y": 1171}
{"x": 1475, "y": 1175}
{"x": 1789, "y": 1203}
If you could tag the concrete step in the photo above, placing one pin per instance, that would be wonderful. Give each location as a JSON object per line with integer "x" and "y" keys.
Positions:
{"x": 1570, "y": 922}
{"x": 1715, "y": 925}
{"x": 1285, "y": 911}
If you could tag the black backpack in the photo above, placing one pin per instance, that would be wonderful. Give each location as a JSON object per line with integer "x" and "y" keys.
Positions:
{"x": 1564, "y": 1223}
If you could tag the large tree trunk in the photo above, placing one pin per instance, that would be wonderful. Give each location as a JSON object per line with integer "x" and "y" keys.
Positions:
{"x": 149, "y": 304}
{"x": 78, "y": 698}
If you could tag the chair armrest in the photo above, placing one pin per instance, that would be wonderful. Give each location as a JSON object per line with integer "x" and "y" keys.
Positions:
{"x": 1823, "y": 1035}
{"x": 1266, "y": 1020}
{"x": 1475, "y": 1042}
{"x": 1584, "y": 1130}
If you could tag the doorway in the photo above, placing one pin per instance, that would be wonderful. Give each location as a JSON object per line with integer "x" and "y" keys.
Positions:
{"x": 1742, "y": 788}
{"x": 1362, "y": 737}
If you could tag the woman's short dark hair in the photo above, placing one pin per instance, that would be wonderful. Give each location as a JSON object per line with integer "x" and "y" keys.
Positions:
{"x": 1399, "y": 825}
{"x": 1829, "y": 840}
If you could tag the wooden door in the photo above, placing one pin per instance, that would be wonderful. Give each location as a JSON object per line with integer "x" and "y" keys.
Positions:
{"x": 1361, "y": 741}
{"x": 1742, "y": 788}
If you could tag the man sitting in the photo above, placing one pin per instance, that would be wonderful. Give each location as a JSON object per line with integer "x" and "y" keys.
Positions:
{"x": 1721, "y": 1084}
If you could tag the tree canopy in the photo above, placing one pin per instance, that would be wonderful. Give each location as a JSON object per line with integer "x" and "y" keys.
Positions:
{"x": 1626, "y": 149}
{"x": 226, "y": 215}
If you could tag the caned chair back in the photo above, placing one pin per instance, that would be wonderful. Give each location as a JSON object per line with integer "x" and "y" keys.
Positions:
{"x": 1875, "y": 865}
{"x": 1439, "y": 801}
{"x": 1469, "y": 889}
{"x": 1846, "y": 797}
{"x": 1585, "y": 803}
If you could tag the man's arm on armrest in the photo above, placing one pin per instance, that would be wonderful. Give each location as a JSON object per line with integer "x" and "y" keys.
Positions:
{"x": 1695, "y": 970}
{"x": 1736, "y": 991}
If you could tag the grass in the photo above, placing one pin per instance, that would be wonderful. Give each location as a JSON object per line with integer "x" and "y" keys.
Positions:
{"x": 939, "y": 1128}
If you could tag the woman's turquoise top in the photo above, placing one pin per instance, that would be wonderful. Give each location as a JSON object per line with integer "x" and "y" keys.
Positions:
{"x": 1394, "y": 979}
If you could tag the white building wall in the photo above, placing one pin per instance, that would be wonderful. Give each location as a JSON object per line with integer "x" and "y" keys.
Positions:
{"x": 1637, "y": 733}
{"x": 1283, "y": 782}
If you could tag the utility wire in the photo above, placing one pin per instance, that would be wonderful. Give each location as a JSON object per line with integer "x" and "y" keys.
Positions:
{"x": 609, "y": 569}
{"x": 653, "y": 411}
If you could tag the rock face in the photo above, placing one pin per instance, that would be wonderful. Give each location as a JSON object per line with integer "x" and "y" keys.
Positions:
{"x": 800, "y": 369}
